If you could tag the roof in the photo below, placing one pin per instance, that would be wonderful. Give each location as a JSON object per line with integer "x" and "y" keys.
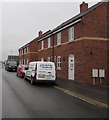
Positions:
{"x": 77, "y": 16}
{"x": 45, "y": 34}
{"x": 73, "y": 19}
{"x": 37, "y": 38}
{"x": 26, "y": 44}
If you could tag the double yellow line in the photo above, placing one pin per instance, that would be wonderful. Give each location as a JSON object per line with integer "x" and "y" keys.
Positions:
{"x": 82, "y": 97}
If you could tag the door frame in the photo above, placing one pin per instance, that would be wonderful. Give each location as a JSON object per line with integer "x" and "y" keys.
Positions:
{"x": 71, "y": 55}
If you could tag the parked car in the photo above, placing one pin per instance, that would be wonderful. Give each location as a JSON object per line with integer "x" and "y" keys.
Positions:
{"x": 11, "y": 63}
{"x": 11, "y": 66}
{"x": 21, "y": 70}
{"x": 39, "y": 71}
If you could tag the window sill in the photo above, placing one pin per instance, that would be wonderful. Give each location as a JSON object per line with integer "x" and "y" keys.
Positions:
{"x": 71, "y": 41}
{"x": 40, "y": 50}
{"x": 44, "y": 49}
{"x": 58, "y": 69}
{"x": 48, "y": 48}
{"x": 58, "y": 45}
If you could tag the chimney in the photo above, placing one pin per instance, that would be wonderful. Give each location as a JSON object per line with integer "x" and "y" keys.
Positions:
{"x": 83, "y": 6}
{"x": 40, "y": 33}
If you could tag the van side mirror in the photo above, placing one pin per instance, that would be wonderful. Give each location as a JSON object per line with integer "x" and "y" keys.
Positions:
{"x": 26, "y": 68}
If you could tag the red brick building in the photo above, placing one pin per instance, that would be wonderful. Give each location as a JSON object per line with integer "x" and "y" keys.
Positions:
{"x": 28, "y": 52}
{"x": 79, "y": 46}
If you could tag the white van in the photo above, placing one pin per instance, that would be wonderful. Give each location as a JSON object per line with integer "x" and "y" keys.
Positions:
{"x": 39, "y": 71}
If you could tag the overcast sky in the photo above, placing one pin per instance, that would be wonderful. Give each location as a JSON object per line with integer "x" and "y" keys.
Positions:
{"x": 21, "y": 21}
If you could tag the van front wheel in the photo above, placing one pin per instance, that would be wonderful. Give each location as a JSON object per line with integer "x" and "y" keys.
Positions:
{"x": 32, "y": 81}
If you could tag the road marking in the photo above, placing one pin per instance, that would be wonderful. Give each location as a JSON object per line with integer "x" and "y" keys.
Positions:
{"x": 84, "y": 98}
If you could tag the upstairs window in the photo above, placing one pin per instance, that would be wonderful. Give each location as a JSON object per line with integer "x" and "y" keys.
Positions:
{"x": 42, "y": 45}
{"x": 19, "y": 52}
{"x": 26, "y": 61}
{"x": 71, "y": 34}
{"x": 49, "y": 42}
{"x": 22, "y": 51}
{"x": 58, "y": 38}
{"x": 27, "y": 49}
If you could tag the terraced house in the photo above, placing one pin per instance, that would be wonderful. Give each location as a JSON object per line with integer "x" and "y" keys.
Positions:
{"x": 28, "y": 52}
{"x": 79, "y": 46}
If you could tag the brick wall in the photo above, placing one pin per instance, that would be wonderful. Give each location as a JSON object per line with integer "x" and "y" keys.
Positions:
{"x": 94, "y": 24}
{"x": 108, "y": 42}
{"x": 89, "y": 53}
{"x": 33, "y": 50}
{"x": 90, "y": 48}
{"x": 32, "y": 54}
{"x": 93, "y": 55}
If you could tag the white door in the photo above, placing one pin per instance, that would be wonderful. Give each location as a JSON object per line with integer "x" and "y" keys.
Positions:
{"x": 71, "y": 67}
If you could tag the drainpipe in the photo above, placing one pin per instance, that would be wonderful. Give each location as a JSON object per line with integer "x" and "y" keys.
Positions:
{"x": 53, "y": 48}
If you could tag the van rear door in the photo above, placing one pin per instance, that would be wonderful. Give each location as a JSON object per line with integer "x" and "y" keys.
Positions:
{"x": 45, "y": 71}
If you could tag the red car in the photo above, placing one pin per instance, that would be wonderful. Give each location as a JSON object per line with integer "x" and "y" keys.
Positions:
{"x": 21, "y": 70}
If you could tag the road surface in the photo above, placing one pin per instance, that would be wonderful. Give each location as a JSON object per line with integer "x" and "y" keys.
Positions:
{"x": 22, "y": 100}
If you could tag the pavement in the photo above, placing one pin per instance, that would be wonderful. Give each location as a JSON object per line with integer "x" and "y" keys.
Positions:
{"x": 95, "y": 92}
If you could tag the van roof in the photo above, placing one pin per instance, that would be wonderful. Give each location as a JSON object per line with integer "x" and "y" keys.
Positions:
{"x": 40, "y": 62}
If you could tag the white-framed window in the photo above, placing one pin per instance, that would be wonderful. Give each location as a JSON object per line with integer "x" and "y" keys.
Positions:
{"x": 20, "y": 62}
{"x": 27, "y": 61}
{"x": 48, "y": 59}
{"x": 42, "y": 45}
{"x": 71, "y": 34}
{"x": 49, "y": 42}
{"x": 42, "y": 59}
{"x": 24, "y": 61}
{"x": 27, "y": 49}
{"x": 22, "y": 51}
{"x": 59, "y": 62}
{"x": 59, "y": 38}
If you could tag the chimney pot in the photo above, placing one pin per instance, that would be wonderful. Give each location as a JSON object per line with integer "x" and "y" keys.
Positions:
{"x": 40, "y": 33}
{"x": 83, "y": 6}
